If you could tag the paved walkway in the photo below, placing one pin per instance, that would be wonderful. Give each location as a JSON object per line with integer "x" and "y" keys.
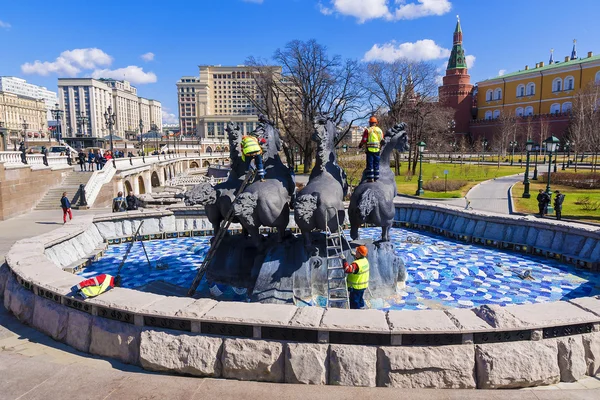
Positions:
{"x": 492, "y": 195}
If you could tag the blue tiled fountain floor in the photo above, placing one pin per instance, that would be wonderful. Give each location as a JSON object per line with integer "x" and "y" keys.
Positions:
{"x": 441, "y": 273}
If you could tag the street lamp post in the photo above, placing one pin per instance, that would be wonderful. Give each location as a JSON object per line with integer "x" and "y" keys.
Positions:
{"x": 111, "y": 119}
{"x": 57, "y": 113}
{"x": 141, "y": 138}
{"x": 528, "y": 147}
{"x": 484, "y": 144}
{"x": 24, "y": 154}
{"x": 535, "y": 170}
{"x": 565, "y": 149}
{"x": 421, "y": 147}
{"x": 513, "y": 144}
{"x": 551, "y": 146}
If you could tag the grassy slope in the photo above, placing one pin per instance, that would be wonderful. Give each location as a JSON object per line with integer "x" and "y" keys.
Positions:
{"x": 468, "y": 172}
{"x": 570, "y": 209}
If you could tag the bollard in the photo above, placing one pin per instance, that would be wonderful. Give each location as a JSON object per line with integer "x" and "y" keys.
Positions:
{"x": 82, "y": 200}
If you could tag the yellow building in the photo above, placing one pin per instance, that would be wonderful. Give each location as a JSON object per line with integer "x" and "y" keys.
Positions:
{"x": 543, "y": 89}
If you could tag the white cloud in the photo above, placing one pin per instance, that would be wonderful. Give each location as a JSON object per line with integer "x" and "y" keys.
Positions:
{"x": 324, "y": 10}
{"x": 470, "y": 59}
{"x": 365, "y": 10}
{"x": 424, "y": 8}
{"x": 69, "y": 63}
{"x": 169, "y": 118}
{"x": 421, "y": 50}
{"x": 148, "y": 56}
{"x": 131, "y": 73}
{"x": 501, "y": 72}
{"x": 5, "y": 25}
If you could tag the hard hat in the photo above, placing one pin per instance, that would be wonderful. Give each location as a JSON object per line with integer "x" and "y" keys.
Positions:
{"x": 373, "y": 120}
{"x": 362, "y": 250}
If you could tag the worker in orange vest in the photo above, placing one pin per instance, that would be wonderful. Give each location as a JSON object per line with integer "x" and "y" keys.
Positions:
{"x": 372, "y": 139}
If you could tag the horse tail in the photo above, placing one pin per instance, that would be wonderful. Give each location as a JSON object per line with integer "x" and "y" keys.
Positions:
{"x": 203, "y": 194}
{"x": 244, "y": 206}
{"x": 367, "y": 203}
{"x": 305, "y": 206}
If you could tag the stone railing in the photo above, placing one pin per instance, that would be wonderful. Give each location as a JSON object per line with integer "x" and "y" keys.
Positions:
{"x": 10, "y": 157}
{"x": 35, "y": 159}
{"x": 55, "y": 161}
{"x": 484, "y": 347}
{"x": 97, "y": 180}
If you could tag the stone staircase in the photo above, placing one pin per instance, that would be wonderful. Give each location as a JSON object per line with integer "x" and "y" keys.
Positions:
{"x": 51, "y": 201}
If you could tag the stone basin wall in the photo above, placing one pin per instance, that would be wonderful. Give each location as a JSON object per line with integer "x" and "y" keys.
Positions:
{"x": 484, "y": 347}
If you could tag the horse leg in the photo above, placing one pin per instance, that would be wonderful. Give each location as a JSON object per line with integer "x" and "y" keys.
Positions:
{"x": 354, "y": 225}
{"x": 385, "y": 231}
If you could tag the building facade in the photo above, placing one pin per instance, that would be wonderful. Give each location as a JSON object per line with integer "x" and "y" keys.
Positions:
{"x": 91, "y": 97}
{"x": 20, "y": 116}
{"x": 457, "y": 90}
{"x": 18, "y": 86}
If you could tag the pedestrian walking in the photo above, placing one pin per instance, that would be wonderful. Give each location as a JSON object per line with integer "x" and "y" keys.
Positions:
{"x": 98, "y": 160}
{"x": 90, "y": 160}
{"x": 45, "y": 155}
{"x": 558, "y": 203}
{"x": 372, "y": 140}
{"x": 66, "y": 207}
{"x": 543, "y": 200}
{"x": 81, "y": 160}
{"x": 358, "y": 278}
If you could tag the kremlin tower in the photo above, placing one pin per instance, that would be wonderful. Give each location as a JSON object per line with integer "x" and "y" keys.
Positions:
{"x": 457, "y": 91}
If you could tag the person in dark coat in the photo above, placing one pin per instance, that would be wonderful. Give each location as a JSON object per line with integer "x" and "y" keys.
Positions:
{"x": 558, "y": 203}
{"x": 543, "y": 200}
{"x": 45, "y": 154}
{"x": 66, "y": 207}
{"x": 81, "y": 160}
{"x": 119, "y": 203}
{"x": 132, "y": 202}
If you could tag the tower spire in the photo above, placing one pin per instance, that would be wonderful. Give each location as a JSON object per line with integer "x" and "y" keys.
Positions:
{"x": 457, "y": 55}
{"x": 551, "y": 57}
{"x": 574, "y": 51}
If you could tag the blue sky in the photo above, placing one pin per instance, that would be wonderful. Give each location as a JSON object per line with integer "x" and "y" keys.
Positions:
{"x": 41, "y": 40}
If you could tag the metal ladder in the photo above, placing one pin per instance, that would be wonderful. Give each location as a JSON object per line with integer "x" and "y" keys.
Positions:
{"x": 337, "y": 289}
{"x": 219, "y": 238}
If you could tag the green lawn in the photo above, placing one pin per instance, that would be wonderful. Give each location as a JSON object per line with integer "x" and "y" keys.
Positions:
{"x": 472, "y": 173}
{"x": 570, "y": 209}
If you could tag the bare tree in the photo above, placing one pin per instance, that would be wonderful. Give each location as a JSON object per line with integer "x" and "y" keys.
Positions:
{"x": 309, "y": 83}
{"x": 506, "y": 131}
{"x": 584, "y": 125}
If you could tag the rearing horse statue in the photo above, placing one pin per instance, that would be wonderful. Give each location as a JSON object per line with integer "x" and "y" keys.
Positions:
{"x": 320, "y": 204}
{"x": 218, "y": 200}
{"x": 373, "y": 202}
{"x": 267, "y": 203}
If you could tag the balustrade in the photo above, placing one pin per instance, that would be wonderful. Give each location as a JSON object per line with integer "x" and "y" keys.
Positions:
{"x": 10, "y": 157}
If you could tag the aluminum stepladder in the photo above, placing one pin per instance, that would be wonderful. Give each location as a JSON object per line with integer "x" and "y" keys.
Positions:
{"x": 219, "y": 238}
{"x": 337, "y": 289}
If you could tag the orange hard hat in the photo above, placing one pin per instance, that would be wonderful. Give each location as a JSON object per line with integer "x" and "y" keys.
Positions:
{"x": 373, "y": 120}
{"x": 362, "y": 250}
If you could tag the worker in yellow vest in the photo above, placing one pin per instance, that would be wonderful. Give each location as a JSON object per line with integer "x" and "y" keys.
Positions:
{"x": 372, "y": 139}
{"x": 358, "y": 277}
{"x": 252, "y": 150}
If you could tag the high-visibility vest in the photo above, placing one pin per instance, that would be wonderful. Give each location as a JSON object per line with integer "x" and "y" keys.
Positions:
{"x": 360, "y": 280}
{"x": 250, "y": 145}
{"x": 374, "y": 138}
{"x": 95, "y": 290}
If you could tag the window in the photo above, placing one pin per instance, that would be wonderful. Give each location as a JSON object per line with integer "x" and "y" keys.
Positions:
{"x": 519, "y": 112}
{"x": 598, "y": 77}
{"x": 496, "y": 114}
{"x": 488, "y": 115}
{"x": 528, "y": 111}
{"x": 498, "y": 94}
{"x": 520, "y": 90}
{"x": 557, "y": 85}
{"x": 566, "y": 107}
{"x": 530, "y": 89}
{"x": 569, "y": 83}
{"x": 488, "y": 95}
{"x": 555, "y": 108}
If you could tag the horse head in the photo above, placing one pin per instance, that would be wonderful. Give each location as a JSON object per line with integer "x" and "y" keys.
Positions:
{"x": 325, "y": 132}
{"x": 397, "y": 136}
{"x": 266, "y": 130}
{"x": 234, "y": 134}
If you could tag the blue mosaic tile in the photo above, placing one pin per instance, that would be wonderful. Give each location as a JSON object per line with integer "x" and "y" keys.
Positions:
{"x": 441, "y": 273}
